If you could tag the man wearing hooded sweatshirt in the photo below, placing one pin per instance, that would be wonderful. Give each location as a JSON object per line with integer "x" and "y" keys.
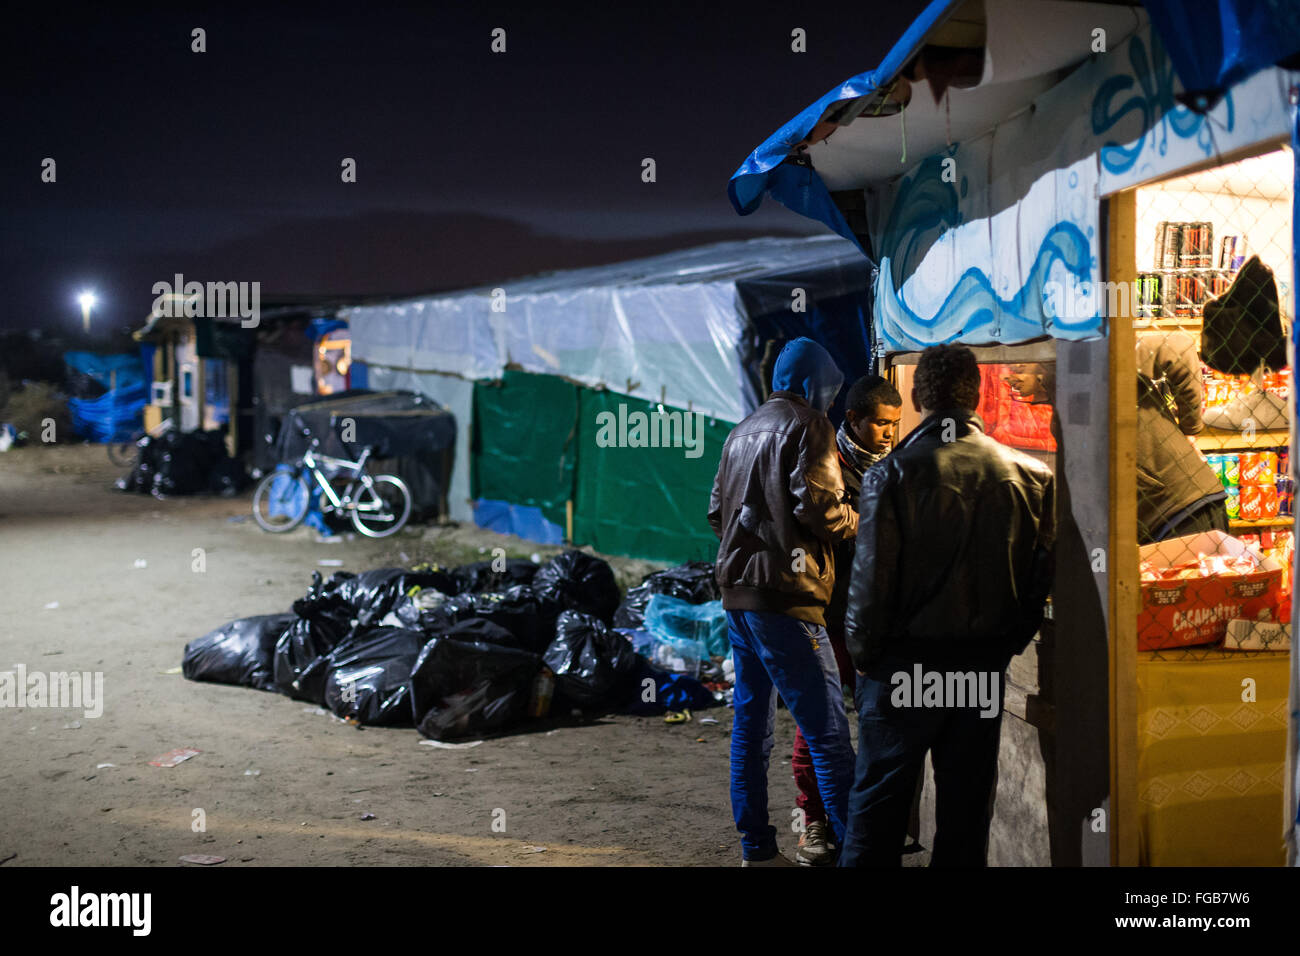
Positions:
{"x": 778, "y": 510}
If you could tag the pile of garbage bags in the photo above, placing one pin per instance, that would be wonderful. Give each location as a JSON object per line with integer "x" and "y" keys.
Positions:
{"x": 459, "y": 652}
{"x": 188, "y": 463}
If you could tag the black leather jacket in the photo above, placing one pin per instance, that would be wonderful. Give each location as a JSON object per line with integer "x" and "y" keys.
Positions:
{"x": 954, "y": 551}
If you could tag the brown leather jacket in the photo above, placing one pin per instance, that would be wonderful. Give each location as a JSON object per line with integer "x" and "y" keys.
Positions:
{"x": 778, "y": 510}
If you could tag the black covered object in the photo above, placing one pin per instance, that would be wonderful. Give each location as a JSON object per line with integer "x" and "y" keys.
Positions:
{"x": 462, "y": 688}
{"x": 480, "y": 576}
{"x": 578, "y": 581}
{"x": 1242, "y": 328}
{"x": 592, "y": 664}
{"x": 410, "y": 436}
{"x": 693, "y": 582}
{"x": 369, "y": 676}
{"x": 240, "y": 652}
{"x": 188, "y": 463}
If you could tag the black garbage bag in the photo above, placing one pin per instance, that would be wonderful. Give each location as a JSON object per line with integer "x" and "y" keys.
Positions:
{"x": 185, "y": 463}
{"x": 578, "y": 581}
{"x": 372, "y": 594}
{"x": 479, "y": 576}
{"x": 463, "y": 688}
{"x": 324, "y": 620}
{"x": 241, "y": 652}
{"x": 517, "y": 609}
{"x": 369, "y": 676}
{"x": 592, "y": 663}
{"x": 477, "y": 629}
{"x": 693, "y": 582}
{"x": 631, "y": 612}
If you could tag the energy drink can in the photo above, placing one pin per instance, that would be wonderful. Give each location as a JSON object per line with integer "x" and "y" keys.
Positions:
{"x": 1285, "y": 497}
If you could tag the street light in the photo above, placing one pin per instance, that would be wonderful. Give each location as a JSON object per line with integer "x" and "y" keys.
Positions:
{"x": 87, "y": 300}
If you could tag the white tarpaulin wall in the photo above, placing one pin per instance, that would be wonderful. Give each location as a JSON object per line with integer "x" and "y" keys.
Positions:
{"x": 675, "y": 328}
{"x": 669, "y": 328}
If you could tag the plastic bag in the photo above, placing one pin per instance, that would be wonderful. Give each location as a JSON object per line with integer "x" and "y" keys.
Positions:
{"x": 479, "y": 576}
{"x": 369, "y": 676}
{"x": 372, "y": 594}
{"x": 631, "y": 612}
{"x": 693, "y": 582}
{"x": 590, "y": 661}
{"x": 672, "y": 692}
{"x": 517, "y": 610}
{"x": 679, "y": 655}
{"x": 578, "y": 581}
{"x": 464, "y": 688}
{"x": 241, "y": 652}
{"x": 302, "y": 653}
{"x": 669, "y": 617}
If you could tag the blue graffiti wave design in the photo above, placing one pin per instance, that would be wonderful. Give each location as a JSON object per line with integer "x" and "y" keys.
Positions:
{"x": 924, "y": 208}
{"x": 1160, "y": 113}
{"x": 974, "y": 312}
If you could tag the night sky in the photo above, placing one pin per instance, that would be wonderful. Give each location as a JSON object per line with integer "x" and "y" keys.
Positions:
{"x": 471, "y": 166}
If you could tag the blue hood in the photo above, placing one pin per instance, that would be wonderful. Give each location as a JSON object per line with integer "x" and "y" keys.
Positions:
{"x": 807, "y": 369}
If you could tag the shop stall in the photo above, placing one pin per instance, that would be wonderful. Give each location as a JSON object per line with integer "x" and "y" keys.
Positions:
{"x": 1110, "y": 226}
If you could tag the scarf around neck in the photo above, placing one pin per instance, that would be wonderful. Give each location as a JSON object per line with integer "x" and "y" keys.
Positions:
{"x": 854, "y": 459}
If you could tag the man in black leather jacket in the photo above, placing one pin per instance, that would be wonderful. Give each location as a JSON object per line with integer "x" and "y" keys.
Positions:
{"x": 952, "y": 569}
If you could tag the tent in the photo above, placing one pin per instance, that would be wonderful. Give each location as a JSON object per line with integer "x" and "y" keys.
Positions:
{"x": 992, "y": 156}
{"x": 534, "y": 367}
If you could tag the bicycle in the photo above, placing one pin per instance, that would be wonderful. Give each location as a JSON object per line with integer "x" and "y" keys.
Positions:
{"x": 379, "y": 504}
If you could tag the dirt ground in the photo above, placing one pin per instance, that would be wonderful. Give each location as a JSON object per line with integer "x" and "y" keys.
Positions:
{"x": 280, "y": 782}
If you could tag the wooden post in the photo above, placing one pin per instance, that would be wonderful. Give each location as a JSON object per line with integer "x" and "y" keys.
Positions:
{"x": 1122, "y": 564}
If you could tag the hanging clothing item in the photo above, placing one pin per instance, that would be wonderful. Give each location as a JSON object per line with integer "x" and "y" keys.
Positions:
{"x": 1243, "y": 327}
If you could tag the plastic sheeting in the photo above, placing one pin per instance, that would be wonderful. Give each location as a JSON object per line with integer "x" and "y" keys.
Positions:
{"x": 525, "y": 441}
{"x": 457, "y": 396}
{"x": 670, "y": 328}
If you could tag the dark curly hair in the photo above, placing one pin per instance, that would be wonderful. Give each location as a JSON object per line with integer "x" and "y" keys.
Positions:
{"x": 947, "y": 376}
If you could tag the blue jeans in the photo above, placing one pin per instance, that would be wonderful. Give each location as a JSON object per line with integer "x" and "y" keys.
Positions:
{"x": 772, "y": 654}
{"x": 892, "y": 743}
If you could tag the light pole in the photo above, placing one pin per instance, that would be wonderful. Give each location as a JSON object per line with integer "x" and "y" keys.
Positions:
{"x": 87, "y": 300}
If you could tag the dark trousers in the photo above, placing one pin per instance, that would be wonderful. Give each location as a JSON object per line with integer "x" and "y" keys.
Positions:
{"x": 809, "y": 798}
{"x": 892, "y": 743}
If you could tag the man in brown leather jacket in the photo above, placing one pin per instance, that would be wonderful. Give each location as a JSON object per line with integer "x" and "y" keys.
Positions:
{"x": 778, "y": 510}
{"x": 952, "y": 569}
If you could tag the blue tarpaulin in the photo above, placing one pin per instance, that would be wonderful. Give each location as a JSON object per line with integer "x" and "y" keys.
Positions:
{"x": 1216, "y": 43}
{"x": 115, "y": 415}
{"x": 799, "y": 187}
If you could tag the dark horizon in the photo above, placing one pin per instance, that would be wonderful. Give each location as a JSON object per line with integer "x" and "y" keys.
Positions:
{"x": 471, "y": 166}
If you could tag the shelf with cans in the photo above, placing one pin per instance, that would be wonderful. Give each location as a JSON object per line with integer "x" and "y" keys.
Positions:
{"x": 1261, "y": 492}
{"x": 1186, "y": 274}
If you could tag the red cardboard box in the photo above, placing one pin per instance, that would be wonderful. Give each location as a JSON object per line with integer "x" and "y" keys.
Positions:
{"x": 1196, "y": 610}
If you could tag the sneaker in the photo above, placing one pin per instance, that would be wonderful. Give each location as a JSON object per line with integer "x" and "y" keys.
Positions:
{"x": 778, "y": 860}
{"x": 815, "y": 846}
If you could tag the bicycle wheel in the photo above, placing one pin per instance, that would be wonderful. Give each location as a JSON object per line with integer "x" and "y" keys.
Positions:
{"x": 124, "y": 453}
{"x": 382, "y": 509}
{"x": 281, "y": 501}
